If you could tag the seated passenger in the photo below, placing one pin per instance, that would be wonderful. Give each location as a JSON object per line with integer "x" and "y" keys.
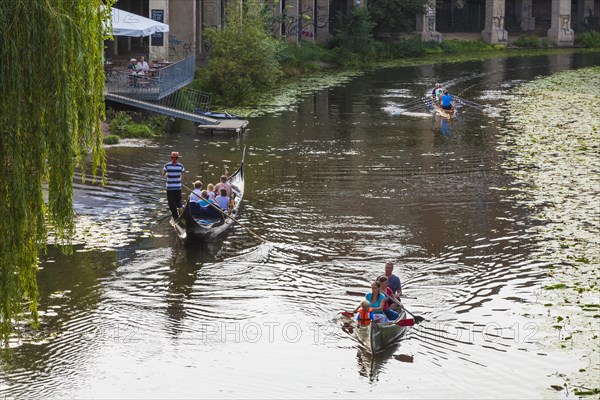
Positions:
{"x": 436, "y": 90}
{"x": 365, "y": 314}
{"x": 223, "y": 184}
{"x": 223, "y": 200}
{"x": 391, "y": 314}
{"x": 446, "y": 101}
{"x": 211, "y": 191}
{"x": 376, "y": 300}
{"x": 195, "y": 196}
{"x": 205, "y": 199}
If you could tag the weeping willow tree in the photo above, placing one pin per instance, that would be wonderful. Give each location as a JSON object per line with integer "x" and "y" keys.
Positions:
{"x": 51, "y": 102}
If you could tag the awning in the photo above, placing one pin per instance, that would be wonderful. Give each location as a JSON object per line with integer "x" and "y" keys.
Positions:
{"x": 125, "y": 23}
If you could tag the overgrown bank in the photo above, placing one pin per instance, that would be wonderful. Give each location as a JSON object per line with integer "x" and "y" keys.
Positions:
{"x": 554, "y": 157}
{"x": 246, "y": 63}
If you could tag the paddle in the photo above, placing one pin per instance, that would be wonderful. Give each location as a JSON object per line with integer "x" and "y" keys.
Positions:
{"x": 351, "y": 293}
{"x": 418, "y": 318}
{"x": 402, "y": 322}
{"x": 225, "y": 215}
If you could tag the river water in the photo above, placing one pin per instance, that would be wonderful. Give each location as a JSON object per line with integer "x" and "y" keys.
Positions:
{"x": 338, "y": 184}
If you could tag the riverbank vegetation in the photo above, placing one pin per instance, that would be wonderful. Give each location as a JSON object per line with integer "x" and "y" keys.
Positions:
{"x": 553, "y": 157}
{"x": 246, "y": 62}
{"x": 124, "y": 124}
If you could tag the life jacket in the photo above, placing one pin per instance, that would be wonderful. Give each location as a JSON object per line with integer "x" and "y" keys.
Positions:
{"x": 364, "y": 316}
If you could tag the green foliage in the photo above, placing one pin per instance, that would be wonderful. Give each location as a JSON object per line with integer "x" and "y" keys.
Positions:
{"x": 111, "y": 139}
{"x": 120, "y": 121}
{"x": 123, "y": 124}
{"x": 49, "y": 123}
{"x": 355, "y": 34}
{"x": 532, "y": 42}
{"x": 459, "y": 46}
{"x": 243, "y": 59}
{"x": 413, "y": 47}
{"x": 303, "y": 57}
{"x": 590, "y": 39}
{"x": 393, "y": 16}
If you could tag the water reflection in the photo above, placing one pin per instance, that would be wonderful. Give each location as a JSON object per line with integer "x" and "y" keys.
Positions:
{"x": 338, "y": 186}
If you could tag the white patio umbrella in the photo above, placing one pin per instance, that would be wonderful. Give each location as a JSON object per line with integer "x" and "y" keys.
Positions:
{"x": 125, "y": 23}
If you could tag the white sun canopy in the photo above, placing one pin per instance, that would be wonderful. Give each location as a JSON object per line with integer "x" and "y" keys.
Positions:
{"x": 125, "y": 23}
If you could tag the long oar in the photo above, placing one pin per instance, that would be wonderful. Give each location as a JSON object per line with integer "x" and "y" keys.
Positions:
{"x": 225, "y": 215}
{"x": 402, "y": 322}
{"x": 351, "y": 293}
{"x": 469, "y": 103}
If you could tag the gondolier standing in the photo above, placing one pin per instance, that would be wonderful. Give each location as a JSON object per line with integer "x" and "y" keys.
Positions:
{"x": 174, "y": 173}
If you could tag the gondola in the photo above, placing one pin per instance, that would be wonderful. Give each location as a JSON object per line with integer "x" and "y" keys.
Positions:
{"x": 197, "y": 224}
{"x": 376, "y": 337}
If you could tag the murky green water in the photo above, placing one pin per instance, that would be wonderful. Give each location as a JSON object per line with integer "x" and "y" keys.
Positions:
{"x": 338, "y": 184}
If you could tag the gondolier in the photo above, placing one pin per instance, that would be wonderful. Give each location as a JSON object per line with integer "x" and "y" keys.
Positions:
{"x": 174, "y": 173}
{"x": 205, "y": 222}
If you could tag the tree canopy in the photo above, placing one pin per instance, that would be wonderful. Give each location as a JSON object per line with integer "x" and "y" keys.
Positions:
{"x": 51, "y": 101}
{"x": 243, "y": 56}
{"x": 394, "y": 16}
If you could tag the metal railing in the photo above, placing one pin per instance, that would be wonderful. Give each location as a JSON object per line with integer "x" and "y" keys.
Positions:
{"x": 186, "y": 99}
{"x": 152, "y": 85}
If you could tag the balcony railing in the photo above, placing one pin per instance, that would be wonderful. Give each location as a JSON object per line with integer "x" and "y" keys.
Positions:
{"x": 154, "y": 84}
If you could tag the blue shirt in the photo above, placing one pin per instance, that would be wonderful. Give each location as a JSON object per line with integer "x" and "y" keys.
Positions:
{"x": 394, "y": 283}
{"x": 446, "y": 100}
{"x": 174, "y": 175}
{"x": 223, "y": 202}
{"x": 376, "y": 303}
{"x": 204, "y": 203}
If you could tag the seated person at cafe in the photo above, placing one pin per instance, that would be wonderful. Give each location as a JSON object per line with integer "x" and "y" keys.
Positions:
{"x": 142, "y": 65}
{"x": 132, "y": 64}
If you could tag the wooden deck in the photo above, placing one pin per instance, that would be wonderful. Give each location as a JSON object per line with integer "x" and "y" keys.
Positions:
{"x": 224, "y": 126}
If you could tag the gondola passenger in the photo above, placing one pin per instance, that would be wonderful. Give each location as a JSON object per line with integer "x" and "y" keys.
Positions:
{"x": 205, "y": 199}
{"x": 211, "y": 191}
{"x": 223, "y": 200}
{"x": 223, "y": 184}
{"x": 195, "y": 196}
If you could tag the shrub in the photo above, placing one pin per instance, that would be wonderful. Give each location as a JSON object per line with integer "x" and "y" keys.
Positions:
{"x": 590, "y": 39}
{"x": 138, "y": 131}
{"x": 124, "y": 124}
{"x": 119, "y": 123}
{"x": 356, "y": 34}
{"x": 303, "y": 57}
{"x": 412, "y": 47}
{"x": 111, "y": 139}
{"x": 531, "y": 42}
{"x": 157, "y": 122}
{"x": 243, "y": 59}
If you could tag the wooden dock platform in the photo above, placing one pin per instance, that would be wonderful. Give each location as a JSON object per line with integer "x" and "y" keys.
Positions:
{"x": 224, "y": 126}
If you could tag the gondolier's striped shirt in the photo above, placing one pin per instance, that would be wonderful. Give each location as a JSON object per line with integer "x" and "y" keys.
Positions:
{"x": 174, "y": 172}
